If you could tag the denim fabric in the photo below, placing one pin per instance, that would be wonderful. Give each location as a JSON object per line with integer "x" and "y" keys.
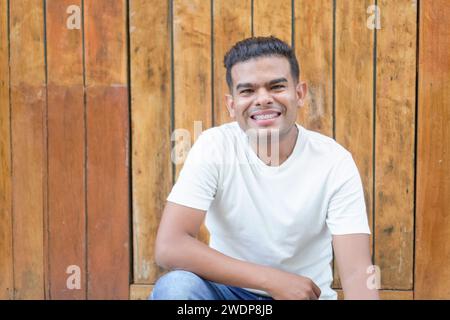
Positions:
{"x": 185, "y": 285}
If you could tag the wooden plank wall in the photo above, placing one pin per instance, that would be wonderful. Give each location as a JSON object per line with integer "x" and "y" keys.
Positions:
{"x": 92, "y": 90}
{"x": 64, "y": 151}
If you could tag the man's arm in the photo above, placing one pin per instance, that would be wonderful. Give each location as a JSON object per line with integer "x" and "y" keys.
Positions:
{"x": 178, "y": 248}
{"x": 353, "y": 259}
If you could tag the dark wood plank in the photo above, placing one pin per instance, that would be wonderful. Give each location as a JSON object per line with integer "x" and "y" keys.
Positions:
{"x": 108, "y": 183}
{"x": 66, "y": 151}
{"x": 432, "y": 274}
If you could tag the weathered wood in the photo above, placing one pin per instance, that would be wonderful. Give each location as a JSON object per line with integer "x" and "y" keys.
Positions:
{"x": 314, "y": 51}
{"x": 232, "y": 23}
{"x": 394, "y": 143}
{"x": 108, "y": 183}
{"x": 387, "y": 295}
{"x": 192, "y": 63}
{"x": 151, "y": 125}
{"x": 66, "y": 151}
{"x": 354, "y": 91}
{"x": 273, "y": 18}
{"x": 6, "y": 232}
{"x": 142, "y": 292}
{"x": 432, "y": 272}
{"x": 28, "y": 108}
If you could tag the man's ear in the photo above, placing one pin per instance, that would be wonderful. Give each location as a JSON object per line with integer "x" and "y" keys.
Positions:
{"x": 230, "y": 105}
{"x": 301, "y": 92}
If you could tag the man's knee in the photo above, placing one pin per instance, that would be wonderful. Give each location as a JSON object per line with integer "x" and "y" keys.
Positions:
{"x": 178, "y": 285}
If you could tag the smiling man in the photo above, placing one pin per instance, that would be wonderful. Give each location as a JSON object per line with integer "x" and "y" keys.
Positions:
{"x": 276, "y": 197}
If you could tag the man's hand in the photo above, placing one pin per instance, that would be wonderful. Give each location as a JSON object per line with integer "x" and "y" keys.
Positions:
{"x": 283, "y": 285}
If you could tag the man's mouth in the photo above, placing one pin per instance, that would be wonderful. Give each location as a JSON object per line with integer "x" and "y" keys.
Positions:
{"x": 266, "y": 116}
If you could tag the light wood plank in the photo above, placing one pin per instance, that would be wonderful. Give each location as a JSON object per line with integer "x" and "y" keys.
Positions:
{"x": 394, "y": 144}
{"x": 432, "y": 272}
{"x": 151, "y": 125}
{"x": 232, "y": 23}
{"x": 387, "y": 295}
{"x": 107, "y": 116}
{"x": 6, "y": 232}
{"x": 192, "y": 69}
{"x": 314, "y": 50}
{"x": 28, "y": 110}
{"x": 273, "y": 18}
{"x": 66, "y": 151}
{"x": 354, "y": 92}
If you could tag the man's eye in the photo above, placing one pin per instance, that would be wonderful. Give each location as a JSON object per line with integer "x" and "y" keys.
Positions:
{"x": 246, "y": 91}
{"x": 279, "y": 86}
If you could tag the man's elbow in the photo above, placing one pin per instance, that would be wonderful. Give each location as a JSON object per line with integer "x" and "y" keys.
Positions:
{"x": 165, "y": 252}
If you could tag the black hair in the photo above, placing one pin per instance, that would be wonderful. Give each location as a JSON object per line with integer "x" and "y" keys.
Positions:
{"x": 255, "y": 47}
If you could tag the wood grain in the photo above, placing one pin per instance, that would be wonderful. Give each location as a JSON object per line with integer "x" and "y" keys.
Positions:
{"x": 6, "y": 231}
{"x": 394, "y": 143}
{"x": 232, "y": 23}
{"x": 273, "y": 18}
{"x": 108, "y": 182}
{"x": 192, "y": 65}
{"x": 142, "y": 292}
{"x": 66, "y": 151}
{"x": 354, "y": 92}
{"x": 314, "y": 51}
{"x": 151, "y": 128}
{"x": 387, "y": 295}
{"x": 432, "y": 273}
{"x": 28, "y": 118}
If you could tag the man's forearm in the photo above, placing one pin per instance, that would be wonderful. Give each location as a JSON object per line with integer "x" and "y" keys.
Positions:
{"x": 356, "y": 288}
{"x": 193, "y": 255}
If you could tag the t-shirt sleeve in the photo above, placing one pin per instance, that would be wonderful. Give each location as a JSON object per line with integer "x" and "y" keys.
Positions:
{"x": 347, "y": 209}
{"x": 197, "y": 182}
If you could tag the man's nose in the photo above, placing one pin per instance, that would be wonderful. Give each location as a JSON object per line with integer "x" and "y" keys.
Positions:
{"x": 263, "y": 97}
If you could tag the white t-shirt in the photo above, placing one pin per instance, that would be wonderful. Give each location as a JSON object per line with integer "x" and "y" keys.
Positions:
{"x": 282, "y": 216}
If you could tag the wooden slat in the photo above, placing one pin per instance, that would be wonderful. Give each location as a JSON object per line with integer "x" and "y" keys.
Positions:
{"x": 6, "y": 257}
{"x": 314, "y": 52}
{"x": 107, "y": 119}
{"x": 232, "y": 23}
{"x": 273, "y": 18}
{"x": 354, "y": 91}
{"x": 28, "y": 152}
{"x": 387, "y": 295}
{"x": 151, "y": 112}
{"x": 66, "y": 152}
{"x": 394, "y": 145}
{"x": 432, "y": 273}
{"x": 192, "y": 63}
{"x": 142, "y": 292}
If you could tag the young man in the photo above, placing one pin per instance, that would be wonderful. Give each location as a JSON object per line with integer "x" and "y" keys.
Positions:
{"x": 276, "y": 197}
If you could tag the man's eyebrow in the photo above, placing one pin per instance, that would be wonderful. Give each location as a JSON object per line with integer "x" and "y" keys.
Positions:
{"x": 271, "y": 82}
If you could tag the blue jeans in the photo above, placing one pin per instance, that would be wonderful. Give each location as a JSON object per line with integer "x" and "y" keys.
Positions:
{"x": 185, "y": 285}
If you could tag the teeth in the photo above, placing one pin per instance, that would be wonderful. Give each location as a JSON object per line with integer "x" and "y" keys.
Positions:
{"x": 266, "y": 116}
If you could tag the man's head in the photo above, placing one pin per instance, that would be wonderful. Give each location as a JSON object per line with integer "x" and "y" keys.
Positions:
{"x": 263, "y": 78}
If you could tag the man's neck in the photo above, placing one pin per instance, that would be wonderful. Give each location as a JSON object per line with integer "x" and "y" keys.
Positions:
{"x": 284, "y": 146}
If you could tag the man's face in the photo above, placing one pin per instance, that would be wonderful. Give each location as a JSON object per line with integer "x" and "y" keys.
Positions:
{"x": 264, "y": 94}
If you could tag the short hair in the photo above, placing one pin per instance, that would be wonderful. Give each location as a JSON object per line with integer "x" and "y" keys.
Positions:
{"x": 255, "y": 47}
